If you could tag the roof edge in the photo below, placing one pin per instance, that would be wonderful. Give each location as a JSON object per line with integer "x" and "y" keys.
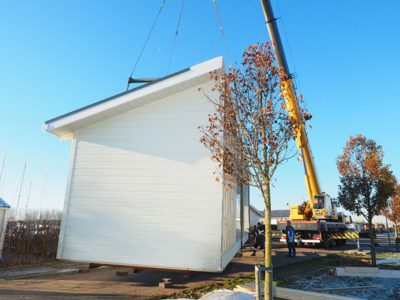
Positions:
{"x": 4, "y": 204}
{"x": 115, "y": 96}
{"x": 56, "y": 124}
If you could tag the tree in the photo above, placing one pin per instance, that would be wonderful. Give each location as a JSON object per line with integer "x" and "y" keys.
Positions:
{"x": 249, "y": 135}
{"x": 366, "y": 183}
{"x": 394, "y": 212}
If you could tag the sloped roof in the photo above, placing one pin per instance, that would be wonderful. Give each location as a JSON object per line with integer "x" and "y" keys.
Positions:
{"x": 259, "y": 213}
{"x": 4, "y": 204}
{"x": 64, "y": 125}
{"x": 280, "y": 213}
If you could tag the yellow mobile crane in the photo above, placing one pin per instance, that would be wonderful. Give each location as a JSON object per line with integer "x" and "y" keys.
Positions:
{"x": 316, "y": 220}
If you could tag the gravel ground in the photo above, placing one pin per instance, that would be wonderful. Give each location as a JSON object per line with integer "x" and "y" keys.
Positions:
{"x": 388, "y": 288}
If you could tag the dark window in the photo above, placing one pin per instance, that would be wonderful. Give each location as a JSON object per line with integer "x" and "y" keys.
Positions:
{"x": 319, "y": 202}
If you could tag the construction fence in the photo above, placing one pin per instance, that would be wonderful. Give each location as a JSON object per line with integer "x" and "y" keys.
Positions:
{"x": 30, "y": 242}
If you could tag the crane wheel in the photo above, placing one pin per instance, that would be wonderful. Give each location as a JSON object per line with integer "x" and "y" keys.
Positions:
{"x": 328, "y": 243}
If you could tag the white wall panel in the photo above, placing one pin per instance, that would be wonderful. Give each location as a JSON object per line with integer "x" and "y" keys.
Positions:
{"x": 142, "y": 190}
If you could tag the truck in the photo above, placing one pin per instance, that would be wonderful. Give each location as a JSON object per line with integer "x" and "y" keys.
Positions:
{"x": 316, "y": 221}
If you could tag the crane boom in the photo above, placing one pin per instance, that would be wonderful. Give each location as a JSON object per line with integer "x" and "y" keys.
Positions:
{"x": 292, "y": 104}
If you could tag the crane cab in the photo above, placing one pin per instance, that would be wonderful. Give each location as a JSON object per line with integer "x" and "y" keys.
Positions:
{"x": 322, "y": 207}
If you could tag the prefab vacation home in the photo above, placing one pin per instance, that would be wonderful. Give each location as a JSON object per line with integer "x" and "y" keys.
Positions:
{"x": 141, "y": 190}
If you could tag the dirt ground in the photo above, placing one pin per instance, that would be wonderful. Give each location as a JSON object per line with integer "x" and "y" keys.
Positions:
{"x": 105, "y": 284}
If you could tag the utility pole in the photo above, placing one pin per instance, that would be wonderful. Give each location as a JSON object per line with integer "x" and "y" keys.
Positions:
{"x": 387, "y": 230}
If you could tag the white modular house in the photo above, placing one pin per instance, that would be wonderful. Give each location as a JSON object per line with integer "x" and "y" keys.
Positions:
{"x": 141, "y": 190}
{"x": 256, "y": 216}
{"x": 279, "y": 215}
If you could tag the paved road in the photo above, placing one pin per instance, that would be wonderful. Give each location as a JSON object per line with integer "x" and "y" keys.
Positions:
{"x": 104, "y": 284}
{"x": 381, "y": 240}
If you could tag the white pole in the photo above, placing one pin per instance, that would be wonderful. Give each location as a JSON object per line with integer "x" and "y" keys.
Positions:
{"x": 27, "y": 199}
{"x": 258, "y": 282}
{"x": 19, "y": 193}
{"x": 43, "y": 188}
{"x": 2, "y": 166}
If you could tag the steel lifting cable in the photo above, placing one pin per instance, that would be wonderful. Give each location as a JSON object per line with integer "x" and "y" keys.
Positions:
{"x": 175, "y": 37}
{"x": 221, "y": 29}
{"x": 146, "y": 41}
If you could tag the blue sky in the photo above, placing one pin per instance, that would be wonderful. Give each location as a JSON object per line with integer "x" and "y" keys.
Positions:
{"x": 57, "y": 56}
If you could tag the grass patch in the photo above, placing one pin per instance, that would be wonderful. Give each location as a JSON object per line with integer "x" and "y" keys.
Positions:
{"x": 388, "y": 255}
{"x": 285, "y": 276}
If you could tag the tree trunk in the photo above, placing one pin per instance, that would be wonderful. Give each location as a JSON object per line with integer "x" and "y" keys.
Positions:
{"x": 268, "y": 245}
{"x": 372, "y": 241}
{"x": 396, "y": 234}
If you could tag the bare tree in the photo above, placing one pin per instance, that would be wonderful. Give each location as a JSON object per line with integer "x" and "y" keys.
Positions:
{"x": 33, "y": 214}
{"x": 51, "y": 214}
{"x": 366, "y": 183}
{"x": 249, "y": 135}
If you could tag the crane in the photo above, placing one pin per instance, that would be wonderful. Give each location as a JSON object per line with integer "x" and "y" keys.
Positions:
{"x": 319, "y": 205}
{"x": 316, "y": 221}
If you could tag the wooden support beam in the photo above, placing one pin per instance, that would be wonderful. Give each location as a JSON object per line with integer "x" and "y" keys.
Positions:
{"x": 345, "y": 289}
{"x": 367, "y": 272}
{"x": 293, "y": 294}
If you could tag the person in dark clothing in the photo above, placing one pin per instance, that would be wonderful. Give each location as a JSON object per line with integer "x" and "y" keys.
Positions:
{"x": 254, "y": 230}
{"x": 260, "y": 238}
{"x": 290, "y": 239}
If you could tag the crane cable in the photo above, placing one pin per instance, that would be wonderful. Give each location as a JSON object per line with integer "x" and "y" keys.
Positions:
{"x": 175, "y": 37}
{"x": 146, "y": 41}
{"x": 221, "y": 29}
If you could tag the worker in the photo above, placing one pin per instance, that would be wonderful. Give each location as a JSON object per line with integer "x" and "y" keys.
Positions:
{"x": 290, "y": 236}
{"x": 254, "y": 229}
{"x": 260, "y": 238}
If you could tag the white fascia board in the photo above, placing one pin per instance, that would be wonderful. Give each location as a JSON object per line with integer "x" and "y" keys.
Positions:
{"x": 209, "y": 65}
{"x": 60, "y": 126}
{"x": 256, "y": 210}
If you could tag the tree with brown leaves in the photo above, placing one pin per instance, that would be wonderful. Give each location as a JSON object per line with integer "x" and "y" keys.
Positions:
{"x": 394, "y": 213}
{"x": 366, "y": 182}
{"x": 249, "y": 135}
